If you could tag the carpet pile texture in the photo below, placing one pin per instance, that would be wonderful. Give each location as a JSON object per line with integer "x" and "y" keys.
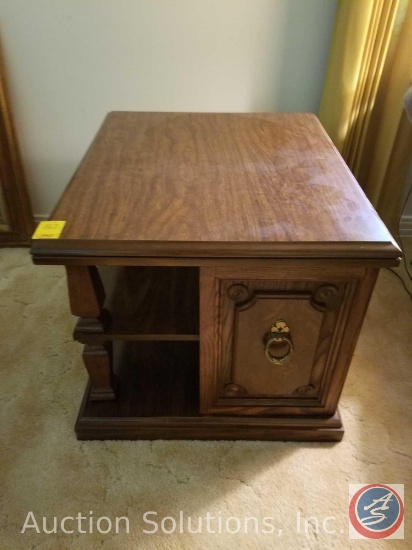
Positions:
{"x": 46, "y": 471}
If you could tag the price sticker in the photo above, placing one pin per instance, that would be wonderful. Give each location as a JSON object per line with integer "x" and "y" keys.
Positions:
{"x": 49, "y": 230}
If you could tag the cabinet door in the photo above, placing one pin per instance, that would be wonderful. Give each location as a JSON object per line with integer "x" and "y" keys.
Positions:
{"x": 270, "y": 345}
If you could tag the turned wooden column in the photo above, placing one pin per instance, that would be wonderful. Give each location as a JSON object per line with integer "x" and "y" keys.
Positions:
{"x": 86, "y": 296}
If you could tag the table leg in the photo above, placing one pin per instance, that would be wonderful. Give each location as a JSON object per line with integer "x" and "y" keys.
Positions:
{"x": 86, "y": 296}
{"x": 98, "y": 360}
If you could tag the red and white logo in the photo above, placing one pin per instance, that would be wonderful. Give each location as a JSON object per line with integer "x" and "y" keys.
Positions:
{"x": 376, "y": 511}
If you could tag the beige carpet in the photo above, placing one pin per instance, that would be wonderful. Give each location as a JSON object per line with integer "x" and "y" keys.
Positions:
{"x": 45, "y": 470}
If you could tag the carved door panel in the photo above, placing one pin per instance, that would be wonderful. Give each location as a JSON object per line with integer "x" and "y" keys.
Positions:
{"x": 274, "y": 343}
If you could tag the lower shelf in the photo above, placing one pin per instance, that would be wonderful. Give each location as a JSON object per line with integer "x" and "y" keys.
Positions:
{"x": 158, "y": 389}
{"x": 153, "y": 379}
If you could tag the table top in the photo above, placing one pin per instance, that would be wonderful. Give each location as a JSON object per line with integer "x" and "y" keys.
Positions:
{"x": 215, "y": 185}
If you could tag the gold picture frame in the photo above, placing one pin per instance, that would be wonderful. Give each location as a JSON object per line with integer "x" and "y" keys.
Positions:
{"x": 16, "y": 219}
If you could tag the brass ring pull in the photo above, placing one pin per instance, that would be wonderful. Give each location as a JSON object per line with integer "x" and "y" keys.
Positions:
{"x": 279, "y": 337}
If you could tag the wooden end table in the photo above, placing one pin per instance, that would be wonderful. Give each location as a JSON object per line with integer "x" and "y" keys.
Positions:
{"x": 221, "y": 266}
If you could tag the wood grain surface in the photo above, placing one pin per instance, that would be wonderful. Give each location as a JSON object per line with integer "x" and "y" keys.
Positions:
{"x": 148, "y": 303}
{"x": 213, "y": 185}
{"x": 226, "y": 360}
{"x": 155, "y": 379}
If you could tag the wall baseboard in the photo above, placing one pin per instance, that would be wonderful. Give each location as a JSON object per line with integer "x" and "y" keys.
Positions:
{"x": 40, "y": 218}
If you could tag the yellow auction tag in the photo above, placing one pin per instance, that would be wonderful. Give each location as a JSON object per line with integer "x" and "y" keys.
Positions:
{"x": 49, "y": 230}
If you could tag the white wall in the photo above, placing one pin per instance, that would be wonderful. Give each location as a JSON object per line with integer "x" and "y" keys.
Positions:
{"x": 69, "y": 62}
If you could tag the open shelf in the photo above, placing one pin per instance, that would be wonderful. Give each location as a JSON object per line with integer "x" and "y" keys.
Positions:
{"x": 155, "y": 379}
{"x": 150, "y": 303}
